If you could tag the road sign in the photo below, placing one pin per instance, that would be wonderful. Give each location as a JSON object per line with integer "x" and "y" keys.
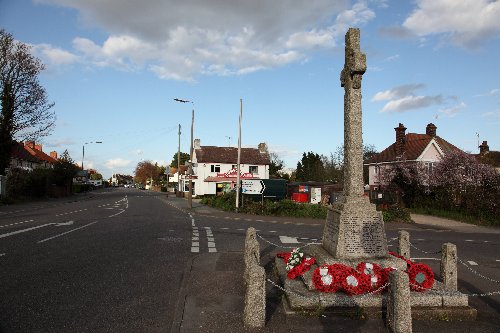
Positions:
{"x": 252, "y": 186}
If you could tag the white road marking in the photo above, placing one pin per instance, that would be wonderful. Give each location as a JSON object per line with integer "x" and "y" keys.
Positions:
{"x": 8, "y": 225}
{"x": 469, "y": 240}
{"x": 425, "y": 258}
{"x": 211, "y": 244}
{"x": 195, "y": 249}
{"x": 472, "y": 263}
{"x": 224, "y": 228}
{"x": 64, "y": 223}
{"x": 195, "y": 244}
{"x": 288, "y": 240}
{"x": 2, "y": 254}
{"x": 123, "y": 210}
{"x": 24, "y": 230}
{"x": 212, "y": 250}
{"x": 497, "y": 260}
{"x": 210, "y": 239}
{"x": 67, "y": 232}
{"x": 272, "y": 231}
{"x": 195, "y": 238}
{"x": 240, "y": 229}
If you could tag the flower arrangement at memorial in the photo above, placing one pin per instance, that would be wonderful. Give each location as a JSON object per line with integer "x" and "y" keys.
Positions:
{"x": 365, "y": 278}
{"x": 296, "y": 263}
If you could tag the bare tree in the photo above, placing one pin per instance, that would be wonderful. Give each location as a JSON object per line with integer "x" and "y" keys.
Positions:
{"x": 19, "y": 70}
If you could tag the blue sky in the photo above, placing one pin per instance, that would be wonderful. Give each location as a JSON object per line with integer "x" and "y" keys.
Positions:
{"x": 114, "y": 67}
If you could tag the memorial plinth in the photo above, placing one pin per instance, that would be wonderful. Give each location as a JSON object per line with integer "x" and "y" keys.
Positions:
{"x": 354, "y": 230}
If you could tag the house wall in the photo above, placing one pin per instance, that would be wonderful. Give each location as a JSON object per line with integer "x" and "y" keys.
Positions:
{"x": 431, "y": 154}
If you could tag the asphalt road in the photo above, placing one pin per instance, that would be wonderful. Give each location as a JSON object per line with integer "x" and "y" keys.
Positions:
{"x": 125, "y": 260}
{"x": 111, "y": 262}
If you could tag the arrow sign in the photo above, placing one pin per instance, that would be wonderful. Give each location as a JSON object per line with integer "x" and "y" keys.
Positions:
{"x": 252, "y": 186}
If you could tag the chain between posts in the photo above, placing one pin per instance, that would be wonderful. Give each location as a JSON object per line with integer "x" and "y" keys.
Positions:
{"x": 426, "y": 252}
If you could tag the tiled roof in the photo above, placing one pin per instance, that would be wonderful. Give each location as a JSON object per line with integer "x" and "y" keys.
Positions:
{"x": 40, "y": 155}
{"x": 229, "y": 155}
{"x": 18, "y": 152}
{"x": 414, "y": 146}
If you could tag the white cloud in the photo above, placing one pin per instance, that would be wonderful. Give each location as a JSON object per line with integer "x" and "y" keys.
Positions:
{"x": 117, "y": 163}
{"x": 493, "y": 114}
{"x": 54, "y": 55}
{"x": 452, "y": 111}
{"x": 411, "y": 102}
{"x": 397, "y": 92}
{"x": 492, "y": 92}
{"x": 403, "y": 98}
{"x": 182, "y": 40}
{"x": 392, "y": 58}
{"x": 466, "y": 22}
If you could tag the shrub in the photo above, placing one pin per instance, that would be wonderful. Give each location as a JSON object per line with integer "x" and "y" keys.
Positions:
{"x": 396, "y": 213}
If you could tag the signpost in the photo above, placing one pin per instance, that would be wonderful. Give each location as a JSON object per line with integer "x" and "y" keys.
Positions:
{"x": 252, "y": 186}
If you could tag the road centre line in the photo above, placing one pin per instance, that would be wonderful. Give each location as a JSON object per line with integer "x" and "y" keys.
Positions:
{"x": 24, "y": 230}
{"x": 123, "y": 210}
{"x": 8, "y": 225}
{"x": 67, "y": 232}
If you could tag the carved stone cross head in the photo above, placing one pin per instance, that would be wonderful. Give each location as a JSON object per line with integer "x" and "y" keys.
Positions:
{"x": 355, "y": 61}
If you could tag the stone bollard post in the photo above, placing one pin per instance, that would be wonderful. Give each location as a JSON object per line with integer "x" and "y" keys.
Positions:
{"x": 255, "y": 297}
{"x": 449, "y": 266}
{"x": 398, "y": 303}
{"x": 252, "y": 251}
{"x": 404, "y": 244}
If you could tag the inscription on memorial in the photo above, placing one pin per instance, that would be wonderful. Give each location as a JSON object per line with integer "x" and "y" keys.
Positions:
{"x": 364, "y": 236}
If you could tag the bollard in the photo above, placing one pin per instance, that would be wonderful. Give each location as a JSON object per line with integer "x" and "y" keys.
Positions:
{"x": 252, "y": 251}
{"x": 404, "y": 244}
{"x": 398, "y": 303}
{"x": 449, "y": 266}
{"x": 255, "y": 297}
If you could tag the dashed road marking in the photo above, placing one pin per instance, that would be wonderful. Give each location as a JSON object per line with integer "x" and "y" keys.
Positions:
{"x": 469, "y": 240}
{"x": 24, "y": 230}
{"x": 472, "y": 263}
{"x": 16, "y": 223}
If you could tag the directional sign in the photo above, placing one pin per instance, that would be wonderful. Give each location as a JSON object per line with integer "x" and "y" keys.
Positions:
{"x": 252, "y": 186}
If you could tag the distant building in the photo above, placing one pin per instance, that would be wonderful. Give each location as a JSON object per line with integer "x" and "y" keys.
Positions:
{"x": 214, "y": 168}
{"x": 427, "y": 149}
{"x": 30, "y": 156}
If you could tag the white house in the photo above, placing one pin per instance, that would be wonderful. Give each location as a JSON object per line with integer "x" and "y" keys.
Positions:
{"x": 214, "y": 168}
{"x": 427, "y": 149}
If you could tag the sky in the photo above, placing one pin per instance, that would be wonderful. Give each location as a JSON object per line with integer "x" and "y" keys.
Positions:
{"x": 114, "y": 67}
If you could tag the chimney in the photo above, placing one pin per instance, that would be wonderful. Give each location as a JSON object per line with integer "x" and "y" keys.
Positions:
{"x": 430, "y": 130}
{"x": 197, "y": 144}
{"x": 30, "y": 144}
{"x": 53, "y": 154}
{"x": 400, "y": 140}
{"x": 262, "y": 148}
{"x": 484, "y": 148}
{"x": 38, "y": 147}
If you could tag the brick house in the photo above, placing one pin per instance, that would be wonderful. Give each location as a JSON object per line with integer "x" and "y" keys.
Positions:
{"x": 427, "y": 149}
{"x": 29, "y": 156}
{"x": 214, "y": 168}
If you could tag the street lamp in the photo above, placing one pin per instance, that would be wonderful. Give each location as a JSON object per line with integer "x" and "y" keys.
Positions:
{"x": 190, "y": 170}
{"x": 83, "y": 149}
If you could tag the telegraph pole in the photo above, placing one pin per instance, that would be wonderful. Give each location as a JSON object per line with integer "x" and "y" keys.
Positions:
{"x": 179, "y": 162}
{"x": 238, "y": 163}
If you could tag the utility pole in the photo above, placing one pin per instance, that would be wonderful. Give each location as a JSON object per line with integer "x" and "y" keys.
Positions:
{"x": 238, "y": 162}
{"x": 179, "y": 162}
{"x": 190, "y": 195}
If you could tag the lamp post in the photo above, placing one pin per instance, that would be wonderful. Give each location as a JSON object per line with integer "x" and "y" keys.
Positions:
{"x": 83, "y": 149}
{"x": 190, "y": 170}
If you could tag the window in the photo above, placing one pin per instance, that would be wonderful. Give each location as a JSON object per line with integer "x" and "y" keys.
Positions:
{"x": 253, "y": 169}
{"x": 215, "y": 168}
{"x": 234, "y": 166}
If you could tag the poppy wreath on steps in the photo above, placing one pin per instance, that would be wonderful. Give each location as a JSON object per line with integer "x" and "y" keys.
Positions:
{"x": 301, "y": 268}
{"x": 328, "y": 278}
{"x": 374, "y": 272}
{"x": 421, "y": 277}
{"x": 394, "y": 254}
{"x": 355, "y": 283}
{"x": 284, "y": 255}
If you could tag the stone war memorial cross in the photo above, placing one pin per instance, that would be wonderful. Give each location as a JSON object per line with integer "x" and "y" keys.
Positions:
{"x": 354, "y": 228}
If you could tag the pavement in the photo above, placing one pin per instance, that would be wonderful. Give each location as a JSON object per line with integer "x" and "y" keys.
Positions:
{"x": 212, "y": 296}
